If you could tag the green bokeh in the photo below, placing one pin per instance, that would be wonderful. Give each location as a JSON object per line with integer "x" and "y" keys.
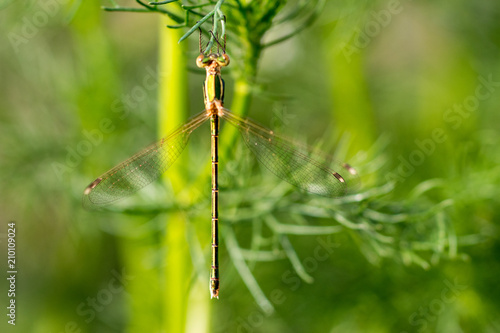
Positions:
{"x": 399, "y": 85}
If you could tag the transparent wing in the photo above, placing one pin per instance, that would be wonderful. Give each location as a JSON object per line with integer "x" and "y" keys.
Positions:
{"x": 292, "y": 163}
{"x": 141, "y": 169}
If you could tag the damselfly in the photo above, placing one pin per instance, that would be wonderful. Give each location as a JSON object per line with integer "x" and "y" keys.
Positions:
{"x": 286, "y": 160}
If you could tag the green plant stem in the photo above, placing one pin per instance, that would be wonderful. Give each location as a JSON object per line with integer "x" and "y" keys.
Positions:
{"x": 147, "y": 9}
{"x": 245, "y": 73}
{"x": 173, "y": 108}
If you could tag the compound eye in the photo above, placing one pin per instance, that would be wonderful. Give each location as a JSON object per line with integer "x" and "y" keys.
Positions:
{"x": 223, "y": 60}
{"x": 200, "y": 61}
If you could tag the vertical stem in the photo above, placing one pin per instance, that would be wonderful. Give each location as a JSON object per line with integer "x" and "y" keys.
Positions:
{"x": 173, "y": 94}
{"x": 246, "y": 73}
{"x": 172, "y": 112}
{"x": 242, "y": 95}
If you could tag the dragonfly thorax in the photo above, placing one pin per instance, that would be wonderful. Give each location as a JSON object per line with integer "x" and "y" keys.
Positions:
{"x": 213, "y": 87}
{"x": 212, "y": 60}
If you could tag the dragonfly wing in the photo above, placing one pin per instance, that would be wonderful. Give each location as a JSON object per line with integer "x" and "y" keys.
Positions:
{"x": 141, "y": 169}
{"x": 292, "y": 163}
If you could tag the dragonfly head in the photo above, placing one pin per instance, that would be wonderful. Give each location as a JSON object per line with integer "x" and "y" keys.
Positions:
{"x": 221, "y": 60}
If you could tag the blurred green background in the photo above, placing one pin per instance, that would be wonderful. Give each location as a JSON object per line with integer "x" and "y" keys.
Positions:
{"x": 408, "y": 92}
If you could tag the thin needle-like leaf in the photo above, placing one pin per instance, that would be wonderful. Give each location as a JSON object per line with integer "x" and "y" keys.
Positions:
{"x": 244, "y": 271}
{"x": 294, "y": 260}
{"x": 196, "y": 26}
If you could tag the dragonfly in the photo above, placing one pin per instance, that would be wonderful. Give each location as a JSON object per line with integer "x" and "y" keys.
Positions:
{"x": 294, "y": 164}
